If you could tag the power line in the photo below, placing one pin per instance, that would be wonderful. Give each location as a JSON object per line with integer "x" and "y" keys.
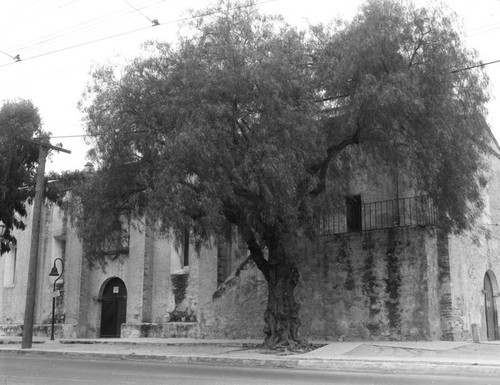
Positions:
{"x": 154, "y": 22}
{"x": 80, "y": 45}
{"x": 96, "y": 135}
{"x": 133, "y": 31}
{"x": 475, "y": 66}
{"x": 78, "y": 29}
{"x": 16, "y": 58}
{"x": 337, "y": 97}
{"x": 482, "y": 29}
{"x": 66, "y": 4}
{"x": 69, "y": 136}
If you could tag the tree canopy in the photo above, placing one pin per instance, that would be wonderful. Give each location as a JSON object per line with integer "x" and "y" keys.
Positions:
{"x": 19, "y": 120}
{"x": 251, "y": 121}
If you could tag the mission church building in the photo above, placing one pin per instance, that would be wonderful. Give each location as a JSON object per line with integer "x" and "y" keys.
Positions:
{"x": 380, "y": 269}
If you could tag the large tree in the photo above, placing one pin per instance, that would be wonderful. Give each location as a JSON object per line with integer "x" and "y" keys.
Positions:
{"x": 19, "y": 120}
{"x": 249, "y": 121}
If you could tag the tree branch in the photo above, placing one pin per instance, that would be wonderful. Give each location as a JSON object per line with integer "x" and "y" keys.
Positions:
{"x": 417, "y": 48}
{"x": 235, "y": 216}
{"x": 322, "y": 168}
{"x": 330, "y": 98}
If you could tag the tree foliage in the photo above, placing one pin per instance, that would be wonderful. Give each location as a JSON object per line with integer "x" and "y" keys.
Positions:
{"x": 251, "y": 121}
{"x": 18, "y": 159}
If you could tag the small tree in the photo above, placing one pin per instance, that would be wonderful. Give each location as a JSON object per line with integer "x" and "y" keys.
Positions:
{"x": 248, "y": 120}
{"x": 18, "y": 159}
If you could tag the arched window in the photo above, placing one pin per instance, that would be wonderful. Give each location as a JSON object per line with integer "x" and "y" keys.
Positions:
{"x": 490, "y": 292}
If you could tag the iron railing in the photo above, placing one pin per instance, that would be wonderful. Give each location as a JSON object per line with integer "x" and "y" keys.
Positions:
{"x": 402, "y": 212}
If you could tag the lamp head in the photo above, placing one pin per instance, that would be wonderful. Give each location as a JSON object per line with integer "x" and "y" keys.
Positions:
{"x": 54, "y": 272}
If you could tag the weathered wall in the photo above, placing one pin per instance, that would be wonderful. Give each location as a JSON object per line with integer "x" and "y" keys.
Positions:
{"x": 206, "y": 281}
{"x": 238, "y": 306}
{"x": 54, "y": 243}
{"x": 158, "y": 286}
{"x": 178, "y": 294}
{"x": 130, "y": 269}
{"x": 163, "y": 300}
{"x": 470, "y": 258}
{"x": 471, "y": 255}
{"x": 370, "y": 285}
{"x": 13, "y": 297}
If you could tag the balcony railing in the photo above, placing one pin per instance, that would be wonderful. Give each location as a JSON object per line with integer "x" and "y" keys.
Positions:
{"x": 403, "y": 212}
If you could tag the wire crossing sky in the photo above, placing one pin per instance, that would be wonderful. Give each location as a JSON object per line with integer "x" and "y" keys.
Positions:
{"x": 48, "y": 47}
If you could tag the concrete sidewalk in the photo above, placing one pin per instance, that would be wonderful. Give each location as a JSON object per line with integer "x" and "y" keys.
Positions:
{"x": 422, "y": 357}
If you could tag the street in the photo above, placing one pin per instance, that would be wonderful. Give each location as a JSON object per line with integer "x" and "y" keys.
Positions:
{"x": 56, "y": 371}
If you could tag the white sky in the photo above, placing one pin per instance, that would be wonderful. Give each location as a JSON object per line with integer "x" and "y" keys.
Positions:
{"x": 54, "y": 76}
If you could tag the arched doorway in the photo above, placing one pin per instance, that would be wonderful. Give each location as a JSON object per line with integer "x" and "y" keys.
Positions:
{"x": 490, "y": 290}
{"x": 113, "y": 307}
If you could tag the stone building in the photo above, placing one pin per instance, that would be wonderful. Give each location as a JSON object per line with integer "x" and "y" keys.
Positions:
{"x": 381, "y": 269}
{"x": 155, "y": 280}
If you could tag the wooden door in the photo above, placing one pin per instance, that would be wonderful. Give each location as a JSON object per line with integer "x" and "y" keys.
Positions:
{"x": 114, "y": 308}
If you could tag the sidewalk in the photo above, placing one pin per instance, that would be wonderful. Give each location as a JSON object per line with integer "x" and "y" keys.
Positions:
{"x": 384, "y": 356}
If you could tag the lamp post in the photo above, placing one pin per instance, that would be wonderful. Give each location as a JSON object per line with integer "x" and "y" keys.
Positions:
{"x": 55, "y": 273}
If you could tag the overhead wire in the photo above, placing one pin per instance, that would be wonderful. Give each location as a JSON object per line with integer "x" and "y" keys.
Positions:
{"x": 94, "y": 135}
{"x": 479, "y": 65}
{"x": 75, "y": 30}
{"x": 25, "y": 12}
{"x": 68, "y": 3}
{"x": 79, "y": 45}
{"x": 483, "y": 29}
{"x": 130, "y": 32}
{"x": 122, "y": 14}
{"x": 153, "y": 21}
{"x": 78, "y": 29}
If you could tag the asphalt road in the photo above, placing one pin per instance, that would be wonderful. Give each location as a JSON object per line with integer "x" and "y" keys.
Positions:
{"x": 56, "y": 371}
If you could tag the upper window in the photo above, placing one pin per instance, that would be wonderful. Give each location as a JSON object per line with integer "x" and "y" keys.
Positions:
{"x": 353, "y": 213}
{"x": 185, "y": 247}
{"x": 9, "y": 269}
{"x": 179, "y": 259}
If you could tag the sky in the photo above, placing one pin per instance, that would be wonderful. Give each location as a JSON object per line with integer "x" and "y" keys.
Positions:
{"x": 59, "y": 42}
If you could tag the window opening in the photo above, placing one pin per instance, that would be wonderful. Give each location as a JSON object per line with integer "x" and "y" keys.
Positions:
{"x": 353, "y": 213}
{"x": 9, "y": 274}
{"x": 185, "y": 248}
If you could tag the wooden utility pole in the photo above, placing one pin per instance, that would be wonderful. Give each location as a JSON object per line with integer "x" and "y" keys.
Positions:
{"x": 29, "y": 312}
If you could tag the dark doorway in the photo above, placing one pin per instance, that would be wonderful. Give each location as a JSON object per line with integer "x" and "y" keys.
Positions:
{"x": 353, "y": 213}
{"x": 114, "y": 308}
{"x": 491, "y": 311}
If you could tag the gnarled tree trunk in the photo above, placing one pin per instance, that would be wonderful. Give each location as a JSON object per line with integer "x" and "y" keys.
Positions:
{"x": 282, "y": 276}
{"x": 282, "y": 312}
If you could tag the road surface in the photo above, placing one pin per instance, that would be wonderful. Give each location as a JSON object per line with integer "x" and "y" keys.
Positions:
{"x": 58, "y": 371}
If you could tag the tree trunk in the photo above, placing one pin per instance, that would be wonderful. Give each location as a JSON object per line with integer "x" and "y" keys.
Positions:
{"x": 282, "y": 312}
{"x": 282, "y": 276}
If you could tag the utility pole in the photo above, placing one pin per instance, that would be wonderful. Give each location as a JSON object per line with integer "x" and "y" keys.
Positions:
{"x": 29, "y": 312}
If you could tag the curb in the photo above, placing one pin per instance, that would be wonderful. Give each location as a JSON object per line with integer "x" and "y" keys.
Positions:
{"x": 389, "y": 366}
{"x": 339, "y": 365}
{"x": 174, "y": 359}
{"x": 228, "y": 344}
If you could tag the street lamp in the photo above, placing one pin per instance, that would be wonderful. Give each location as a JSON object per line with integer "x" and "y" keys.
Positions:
{"x": 55, "y": 273}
